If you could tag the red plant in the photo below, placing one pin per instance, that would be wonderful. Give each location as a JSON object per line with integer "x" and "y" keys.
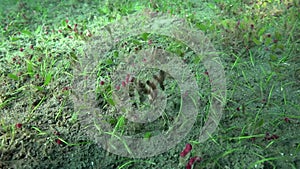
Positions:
{"x": 187, "y": 149}
{"x": 127, "y": 78}
{"x": 118, "y": 87}
{"x": 101, "y": 82}
{"x": 272, "y": 137}
{"x": 192, "y": 161}
{"x": 287, "y": 120}
{"x": 238, "y": 23}
{"x": 18, "y": 125}
{"x": 58, "y": 141}
{"x": 75, "y": 28}
{"x": 66, "y": 88}
{"x": 123, "y": 83}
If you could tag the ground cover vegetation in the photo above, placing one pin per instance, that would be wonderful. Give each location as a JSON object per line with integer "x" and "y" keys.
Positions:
{"x": 258, "y": 43}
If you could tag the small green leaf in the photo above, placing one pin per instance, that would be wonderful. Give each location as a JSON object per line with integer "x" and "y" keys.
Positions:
{"x": 111, "y": 101}
{"x": 147, "y": 135}
{"x": 277, "y": 35}
{"x": 257, "y": 42}
{"x": 136, "y": 42}
{"x": 268, "y": 41}
{"x": 202, "y": 27}
{"x": 259, "y": 123}
{"x": 109, "y": 62}
{"x": 115, "y": 54}
{"x": 26, "y": 32}
{"x": 39, "y": 88}
{"x": 261, "y": 31}
{"x": 224, "y": 23}
{"x": 13, "y": 39}
{"x": 112, "y": 121}
{"x": 38, "y": 30}
{"x": 246, "y": 38}
{"x": 273, "y": 57}
{"x": 73, "y": 118}
{"x": 145, "y": 36}
{"x": 48, "y": 78}
{"x": 121, "y": 121}
{"x": 40, "y": 132}
{"x": 211, "y": 5}
{"x": 64, "y": 23}
{"x": 13, "y": 76}
{"x": 30, "y": 68}
{"x": 245, "y": 19}
{"x": 120, "y": 124}
{"x": 197, "y": 59}
{"x": 73, "y": 56}
{"x": 280, "y": 46}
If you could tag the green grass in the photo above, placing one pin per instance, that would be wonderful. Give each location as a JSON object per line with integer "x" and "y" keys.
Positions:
{"x": 41, "y": 48}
